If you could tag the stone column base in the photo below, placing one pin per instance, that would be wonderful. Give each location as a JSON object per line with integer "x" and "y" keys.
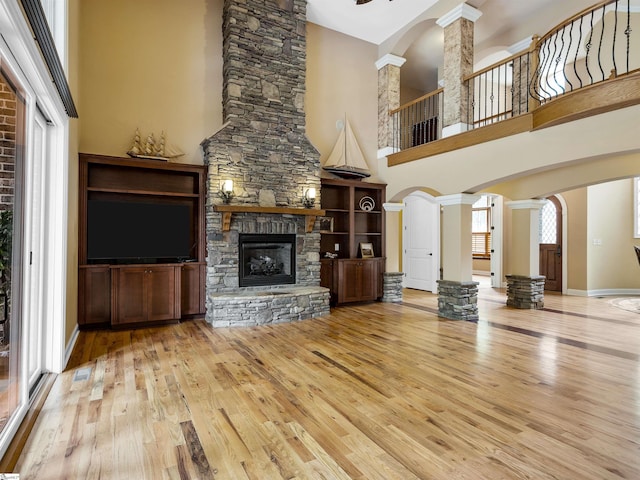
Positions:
{"x": 525, "y": 292}
{"x": 392, "y": 289}
{"x": 458, "y": 300}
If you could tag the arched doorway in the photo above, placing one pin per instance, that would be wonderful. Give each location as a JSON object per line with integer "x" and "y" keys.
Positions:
{"x": 551, "y": 244}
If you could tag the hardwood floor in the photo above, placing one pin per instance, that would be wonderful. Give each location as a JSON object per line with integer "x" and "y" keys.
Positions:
{"x": 375, "y": 391}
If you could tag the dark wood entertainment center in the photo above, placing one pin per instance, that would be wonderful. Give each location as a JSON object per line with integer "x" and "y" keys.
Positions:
{"x": 146, "y": 290}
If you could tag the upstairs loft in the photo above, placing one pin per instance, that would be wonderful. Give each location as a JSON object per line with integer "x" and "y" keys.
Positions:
{"x": 585, "y": 66}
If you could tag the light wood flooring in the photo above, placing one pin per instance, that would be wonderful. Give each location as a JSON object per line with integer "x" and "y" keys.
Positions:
{"x": 374, "y": 391}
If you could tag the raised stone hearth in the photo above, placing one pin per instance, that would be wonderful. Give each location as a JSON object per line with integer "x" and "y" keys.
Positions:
{"x": 250, "y": 308}
{"x": 263, "y": 148}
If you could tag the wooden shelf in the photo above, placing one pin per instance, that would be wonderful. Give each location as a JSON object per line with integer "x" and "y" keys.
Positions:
{"x": 350, "y": 278}
{"x": 143, "y": 192}
{"x": 228, "y": 210}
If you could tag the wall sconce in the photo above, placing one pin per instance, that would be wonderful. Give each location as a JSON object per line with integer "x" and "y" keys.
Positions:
{"x": 309, "y": 198}
{"x": 226, "y": 190}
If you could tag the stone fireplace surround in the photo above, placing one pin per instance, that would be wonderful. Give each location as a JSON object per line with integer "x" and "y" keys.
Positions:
{"x": 263, "y": 148}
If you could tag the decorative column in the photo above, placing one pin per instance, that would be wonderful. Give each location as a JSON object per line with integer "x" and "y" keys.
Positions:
{"x": 458, "y": 62}
{"x": 521, "y": 74}
{"x": 457, "y": 292}
{"x": 388, "y": 100}
{"x": 394, "y": 277}
{"x": 525, "y": 286}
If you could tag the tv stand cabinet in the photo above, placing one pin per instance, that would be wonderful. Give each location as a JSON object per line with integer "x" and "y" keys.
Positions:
{"x": 121, "y": 295}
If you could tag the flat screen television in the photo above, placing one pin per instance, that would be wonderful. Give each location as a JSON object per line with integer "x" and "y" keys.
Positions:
{"x": 129, "y": 232}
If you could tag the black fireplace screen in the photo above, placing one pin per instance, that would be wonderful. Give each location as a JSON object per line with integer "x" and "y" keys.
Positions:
{"x": 267, "y": 260}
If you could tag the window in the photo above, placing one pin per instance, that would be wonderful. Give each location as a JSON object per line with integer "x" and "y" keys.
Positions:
{"x": 548, "y": 223}
{"x": 481, "y": 227}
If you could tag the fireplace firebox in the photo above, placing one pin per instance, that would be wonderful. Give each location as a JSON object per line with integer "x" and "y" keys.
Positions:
{"x": 267, "y": 260}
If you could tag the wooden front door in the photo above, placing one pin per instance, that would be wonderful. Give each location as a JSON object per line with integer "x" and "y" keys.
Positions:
{"x": 551, "y": 244}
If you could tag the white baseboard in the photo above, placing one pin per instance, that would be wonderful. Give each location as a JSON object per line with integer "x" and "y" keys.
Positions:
{"x": 72, "y": 343}
{"x": 607, "y": 292}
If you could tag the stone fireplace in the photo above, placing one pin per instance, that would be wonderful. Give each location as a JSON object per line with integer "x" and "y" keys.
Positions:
{"x": 263, "y": 148}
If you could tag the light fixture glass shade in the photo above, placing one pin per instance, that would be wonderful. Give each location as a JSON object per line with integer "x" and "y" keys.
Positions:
{"x": 309, "y": 198}
{"x": 227, "y": 186}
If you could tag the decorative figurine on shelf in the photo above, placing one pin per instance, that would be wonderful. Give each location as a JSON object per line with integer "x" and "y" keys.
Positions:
{"x": 136, "y": 148}
{"x": 152, "y": 149}
{"x": 150, "y": 145}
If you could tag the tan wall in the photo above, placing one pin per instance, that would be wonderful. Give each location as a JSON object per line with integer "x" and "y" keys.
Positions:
{"x": 152, "y": 65}
{"x": 408, "y": 94}
{"x": 481, "y": 265}
{"x": 73, "y": 53}
{"x": 341, "y": 80}
{"x": 576, "y": 201}
{"x": 612, "y": 264}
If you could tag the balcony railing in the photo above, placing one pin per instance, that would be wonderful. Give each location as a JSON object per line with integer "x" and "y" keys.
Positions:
{"x": 593, "y": 46}
{"x": 500, "y": 91}
{"x": 418, "y": 122}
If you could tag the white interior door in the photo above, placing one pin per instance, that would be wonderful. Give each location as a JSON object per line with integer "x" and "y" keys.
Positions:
{"x": 420, "y": 242}
{"x": 496, "y": 241}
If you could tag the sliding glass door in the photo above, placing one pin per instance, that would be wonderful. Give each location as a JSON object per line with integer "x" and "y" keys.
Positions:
{"x": 12, "y": 134}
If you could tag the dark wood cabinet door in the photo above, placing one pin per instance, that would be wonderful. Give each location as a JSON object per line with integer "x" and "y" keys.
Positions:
{"x": 94, "y": 296}
{"x": 358, "y": 280}
{"x": 146, "y": 294}
{"x": 191, "y": 294}
{"x": 368, "y": 271}
{"x": 162, "y": 299}
{"x": 350, "y": 273}
{"x": 129, "y": 295}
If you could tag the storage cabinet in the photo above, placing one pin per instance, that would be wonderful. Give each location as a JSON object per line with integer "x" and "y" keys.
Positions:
{"x": 94, "y": 294}
{"x": 141, "y": 248}
{"x": 354, "y": 218}
{"x": 145, "y": 294}
{"x": 353, "y": 280}
{"x": 192, "y": 295}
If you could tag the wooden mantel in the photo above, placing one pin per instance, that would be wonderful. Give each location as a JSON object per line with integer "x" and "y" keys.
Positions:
{"x": 227, "y": 210}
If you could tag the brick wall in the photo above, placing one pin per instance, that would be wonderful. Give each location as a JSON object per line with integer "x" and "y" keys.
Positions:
{"x": 8, "y": 117}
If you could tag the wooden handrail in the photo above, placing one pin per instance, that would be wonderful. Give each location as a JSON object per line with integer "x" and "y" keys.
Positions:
{"x": 496, "y": 65}
{"x": 573, "y": 18}
{"x": 420, "y": 99}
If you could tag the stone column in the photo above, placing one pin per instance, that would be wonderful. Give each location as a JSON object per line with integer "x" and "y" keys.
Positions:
{"x": 458, "y": 62}
{"x": 388, "y": 100}
{"x": 525, "y": 286}
{"x": 521, "y": 74}
{"x": 457, "y": 292}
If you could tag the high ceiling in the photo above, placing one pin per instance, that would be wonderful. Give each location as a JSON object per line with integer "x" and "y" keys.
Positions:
{"x": 502, "y": 24}
{"x": 373, "y": 22}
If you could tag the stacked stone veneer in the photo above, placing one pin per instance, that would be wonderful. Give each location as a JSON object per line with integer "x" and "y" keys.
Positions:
{"x": 525, "y": 292}
{"x": 458, "y": 300}
{"x": 392, "y": 287}
{"x": 8, "y": 120}
{"x": 263, "y": 148}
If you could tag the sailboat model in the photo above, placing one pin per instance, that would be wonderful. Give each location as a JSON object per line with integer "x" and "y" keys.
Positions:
{"x": 346, "y": 159}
